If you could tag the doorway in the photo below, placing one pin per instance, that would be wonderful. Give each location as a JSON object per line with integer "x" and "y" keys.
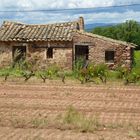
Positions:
{"x": 81, "y": 52}
{"x": 81, "y": 55}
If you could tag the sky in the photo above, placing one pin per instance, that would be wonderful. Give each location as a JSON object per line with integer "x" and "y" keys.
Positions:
{"x": 94, "y": 12}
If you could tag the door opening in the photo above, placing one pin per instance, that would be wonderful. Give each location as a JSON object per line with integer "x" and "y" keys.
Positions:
{"x": 82, "y": 53}
{"x": 19, "y": 53}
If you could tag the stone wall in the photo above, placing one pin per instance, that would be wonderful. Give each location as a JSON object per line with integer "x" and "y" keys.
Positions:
{"x": 62, "y": 53}
{"x": 5, "y": 55}
{"x": 98, "y": 46}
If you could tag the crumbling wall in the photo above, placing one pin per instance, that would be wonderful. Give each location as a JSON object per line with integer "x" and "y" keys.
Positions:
{"x": 62, "y": 53}
{"x": 98, "y": 46}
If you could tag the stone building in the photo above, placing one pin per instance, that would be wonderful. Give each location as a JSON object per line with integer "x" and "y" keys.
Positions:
{"x": 61, "y": 44}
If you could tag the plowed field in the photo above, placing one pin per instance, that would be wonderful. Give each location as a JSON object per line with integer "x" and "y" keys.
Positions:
{"x": 111, "y": 104}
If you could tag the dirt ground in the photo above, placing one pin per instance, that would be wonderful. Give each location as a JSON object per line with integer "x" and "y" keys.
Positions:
{"x": 114, "y": 105}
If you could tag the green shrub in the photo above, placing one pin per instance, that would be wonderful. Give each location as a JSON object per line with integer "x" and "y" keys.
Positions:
{"x": 27, "y": 74}
{"x": 91, "y": 71}
{"x": 77, "y": 67}
{"x": 62, "y": 75}
{"x": 5, "y": 73}
{"x": 137, "y": 60}
{"x": 48, "y": 73}
{"x": 9, "y": 71}
{"x": 101, "y": 71}
{"x": 122, "y": 72}
{"x": 112, "y": 75}
{"x": 129, "y": 76}
{"x": 132, "y": 77}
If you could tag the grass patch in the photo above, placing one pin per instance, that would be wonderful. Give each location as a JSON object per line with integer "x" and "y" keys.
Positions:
{"x": 70, "y": 120}
{"x": 134, "y": 131}
{"x": 18, "y": 123}
{"x": 76, "y": 120}
{"x": 25, "y": 123}
{"x": 115, "y": 126}
{"x": 39, "y": 123}
{"x": 137, "y": 59}
{"x": 10, "y": 72}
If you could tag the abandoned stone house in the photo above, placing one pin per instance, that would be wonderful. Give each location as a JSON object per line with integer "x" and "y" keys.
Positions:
{"x": 61, "y": 44}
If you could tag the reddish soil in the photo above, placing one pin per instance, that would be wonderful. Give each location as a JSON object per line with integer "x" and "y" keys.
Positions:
{"x": 111, "y": 104}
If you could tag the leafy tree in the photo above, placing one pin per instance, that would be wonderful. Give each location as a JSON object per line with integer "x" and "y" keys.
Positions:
{"x": 128, "y": 31}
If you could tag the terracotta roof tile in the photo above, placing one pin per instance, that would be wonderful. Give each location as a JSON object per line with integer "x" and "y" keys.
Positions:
{"x": 13, "y": 31}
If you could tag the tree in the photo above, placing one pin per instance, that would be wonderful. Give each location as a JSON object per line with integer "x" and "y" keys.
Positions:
{"x": 128, "y": 31}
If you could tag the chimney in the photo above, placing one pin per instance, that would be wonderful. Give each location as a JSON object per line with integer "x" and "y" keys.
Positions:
{"x": 81, "y": 23}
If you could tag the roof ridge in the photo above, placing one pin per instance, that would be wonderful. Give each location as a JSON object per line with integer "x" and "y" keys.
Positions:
{"x": 15, "y": 22}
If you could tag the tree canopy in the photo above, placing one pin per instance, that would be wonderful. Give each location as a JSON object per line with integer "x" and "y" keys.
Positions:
{"x": 128, "y": 31}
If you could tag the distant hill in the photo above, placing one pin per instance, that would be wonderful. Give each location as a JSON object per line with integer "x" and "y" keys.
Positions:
{"x": 90, "y": 27}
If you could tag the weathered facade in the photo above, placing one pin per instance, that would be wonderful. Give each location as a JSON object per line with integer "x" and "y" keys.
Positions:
{"x": 61, "y": 44}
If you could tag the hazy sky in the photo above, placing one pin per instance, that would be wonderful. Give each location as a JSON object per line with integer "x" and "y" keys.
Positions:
{"x": 95, "y": 15}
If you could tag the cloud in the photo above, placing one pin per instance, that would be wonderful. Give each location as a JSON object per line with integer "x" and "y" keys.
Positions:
{"x": 103, "y": 15}
{"x": 61, "y": 4}
{"x": 125, "y": 2}
{"x": 112, "y": 17}
{"x": 96, "y": 17}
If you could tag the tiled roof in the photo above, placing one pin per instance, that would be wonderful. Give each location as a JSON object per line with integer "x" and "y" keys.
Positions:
{"x": 13, "y": 31}
{"x": 106, "y": 38}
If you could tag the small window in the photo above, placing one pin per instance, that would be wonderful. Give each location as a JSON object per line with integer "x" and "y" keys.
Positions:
{"x": 109, "y": 56}
{"x": 50, "y": 53}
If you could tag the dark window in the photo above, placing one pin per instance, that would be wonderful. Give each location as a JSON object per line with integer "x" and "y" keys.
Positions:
{"x": 19, "y": 53}
{"x": 81, "y": 52}
{"x": 109, "y": 56}
{"x": 50, "y": 53}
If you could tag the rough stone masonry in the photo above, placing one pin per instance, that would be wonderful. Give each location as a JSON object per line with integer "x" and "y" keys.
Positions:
{"x": 61, "y": 44}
